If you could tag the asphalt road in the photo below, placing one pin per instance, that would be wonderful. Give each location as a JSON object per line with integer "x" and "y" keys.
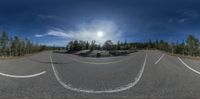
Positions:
{"x": 144, "y": 74}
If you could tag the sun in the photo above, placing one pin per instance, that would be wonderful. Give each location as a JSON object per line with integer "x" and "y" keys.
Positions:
{"x": 100, "y": 34}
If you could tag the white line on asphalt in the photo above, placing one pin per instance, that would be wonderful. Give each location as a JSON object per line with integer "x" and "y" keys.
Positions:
{"x": 188, "y": 66}
{"x": 112, "y": 62}
{"x": 159, "y": 59}
{"x": 118, "y": 89}
{"x": 24, "y": 76}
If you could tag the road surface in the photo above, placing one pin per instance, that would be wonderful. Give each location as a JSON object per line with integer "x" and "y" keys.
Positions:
{"x": 144, "y": 74}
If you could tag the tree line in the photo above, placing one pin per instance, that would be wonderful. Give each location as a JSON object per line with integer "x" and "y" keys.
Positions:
{"x": 77, "y": 45}
{"x": 15, "y": 46}
{"x": 190, "y": 46}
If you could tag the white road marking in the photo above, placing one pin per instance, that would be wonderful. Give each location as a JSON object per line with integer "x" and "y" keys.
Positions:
{"x": 113, "y": 62}
{"x": 188, "y": 66}
{"x": 159, "y": 59}
{"x": 118, "y": 89}
{"x": 24, "y": 76}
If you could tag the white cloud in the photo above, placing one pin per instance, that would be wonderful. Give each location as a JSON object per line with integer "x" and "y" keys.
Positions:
{"x": 58, "y": 33}
{"x": 88, "y": 32}
{"x": 38, "y": 35}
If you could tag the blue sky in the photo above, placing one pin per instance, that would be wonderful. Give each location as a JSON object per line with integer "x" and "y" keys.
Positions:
{"x": 55, "y": 22}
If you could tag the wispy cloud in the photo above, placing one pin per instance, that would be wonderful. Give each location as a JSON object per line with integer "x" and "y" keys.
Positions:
{"x": 191, "y": 14}
{"x": 185, "y": 16}
{"x": 182, "y": 20}
{"x": 88, "y": 32}
{"x": 47, "y": 16}
{"x": 38, "y": 35}
{"x": 58, "y": 33}
{"x": 171, "y": 20}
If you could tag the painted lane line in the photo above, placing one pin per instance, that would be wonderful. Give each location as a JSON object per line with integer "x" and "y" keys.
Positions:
{"x": 24, "y": 76}
{"x": 159, "y": 59}
{"x": 118, "y": 89}
{"x": 113, "y": 62}
{"x": 188, "y": 66}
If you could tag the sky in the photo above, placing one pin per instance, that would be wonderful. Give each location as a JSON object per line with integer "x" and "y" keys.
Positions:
{"x": 56, "y": 22}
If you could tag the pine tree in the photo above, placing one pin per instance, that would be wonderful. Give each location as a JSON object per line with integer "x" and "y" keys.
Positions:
{"x": 193, "y": 44}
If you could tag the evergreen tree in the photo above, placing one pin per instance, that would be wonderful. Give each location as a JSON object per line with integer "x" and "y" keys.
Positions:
{"x": 193, "y": 45}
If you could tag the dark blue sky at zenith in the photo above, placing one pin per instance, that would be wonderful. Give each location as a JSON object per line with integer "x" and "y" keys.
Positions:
{"x": 58, "y": 21}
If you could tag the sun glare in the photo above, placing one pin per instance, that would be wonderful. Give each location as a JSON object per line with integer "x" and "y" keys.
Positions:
{"x": 100, "y": 34}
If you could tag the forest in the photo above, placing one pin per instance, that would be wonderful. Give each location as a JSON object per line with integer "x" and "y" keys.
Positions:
{"x": 16, "y": 46}
{"x": 190, "y": 46}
